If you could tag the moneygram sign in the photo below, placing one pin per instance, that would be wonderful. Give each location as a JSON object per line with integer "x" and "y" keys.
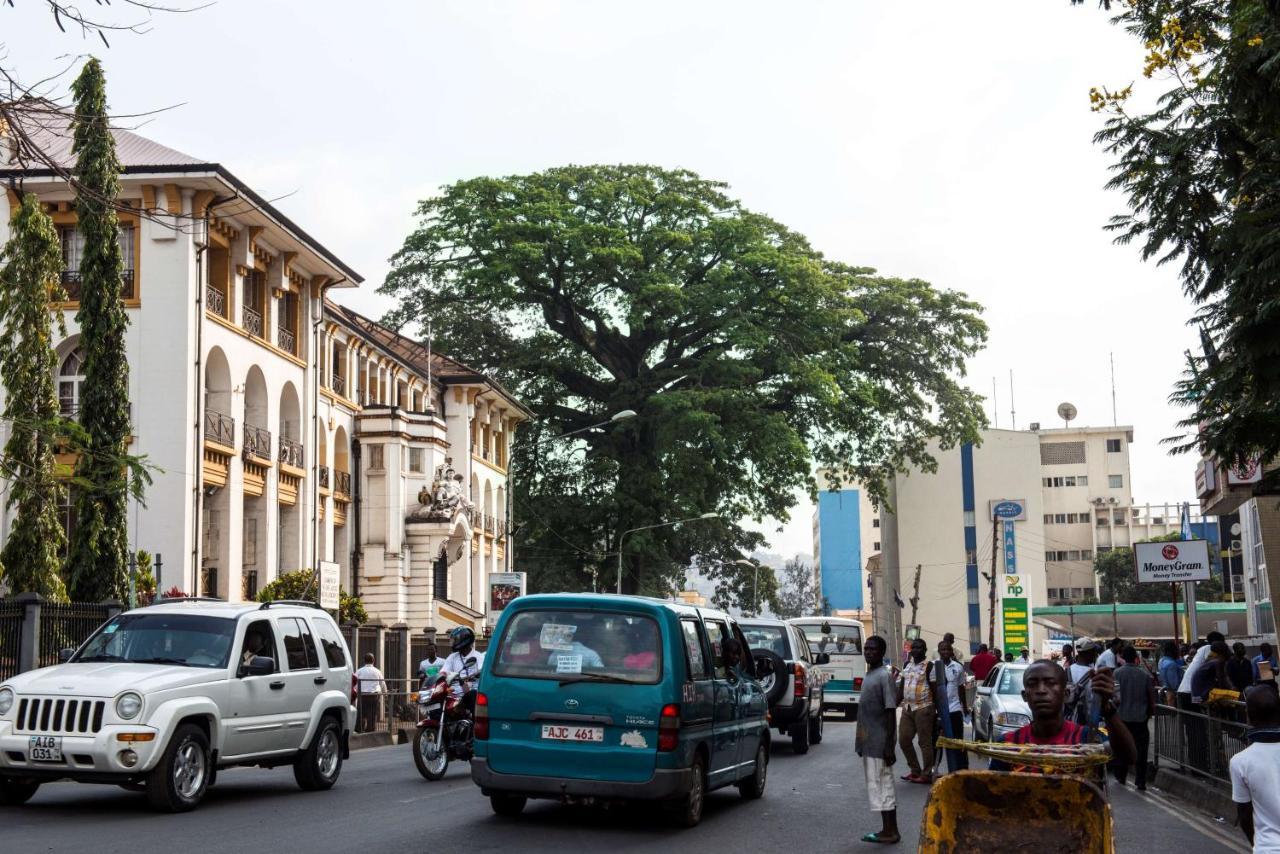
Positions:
{"x": 1164, "y": 563}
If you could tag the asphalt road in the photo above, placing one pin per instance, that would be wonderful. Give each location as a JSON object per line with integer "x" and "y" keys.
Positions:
{"x": 813, "y": 803}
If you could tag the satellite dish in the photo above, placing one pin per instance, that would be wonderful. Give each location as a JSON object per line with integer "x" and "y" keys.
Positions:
{"x": 1067, "y": 412}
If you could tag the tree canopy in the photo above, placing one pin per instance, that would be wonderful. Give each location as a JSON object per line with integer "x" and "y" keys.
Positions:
{"x": 799, "y": 594}
{"x": 747, "y": 354}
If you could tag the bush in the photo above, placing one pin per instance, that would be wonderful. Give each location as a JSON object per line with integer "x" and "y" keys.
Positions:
{"x": 145, "y": 580}
{"x": 301, "y": 584}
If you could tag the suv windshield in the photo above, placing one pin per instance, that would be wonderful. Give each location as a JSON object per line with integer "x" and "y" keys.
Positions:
{"x": 766, "y": 637}
{"x": 186, "y": 639}
{"x": 1010, "y": 680}
{"x": 580, "y": 646}
{"x": 838, "y": 639}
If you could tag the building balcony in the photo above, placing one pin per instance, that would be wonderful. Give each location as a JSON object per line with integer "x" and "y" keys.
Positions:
{"x": 338, "y": 384}
{"x": 324, "y": 477}
{"x": 257, "y": 441}
{"x": 342, "y": 482}
{"x": 288, "y": 340}
{"x": 71, "y": 285}
{"x": 251, "y": 320}
{"x": 215, "y": 301}
{"x": 219, "y": 428}
{"x": 291, "y": 453}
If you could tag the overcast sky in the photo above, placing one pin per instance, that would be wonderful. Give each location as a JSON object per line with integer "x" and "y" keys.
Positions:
{"x": 945, "y": 141}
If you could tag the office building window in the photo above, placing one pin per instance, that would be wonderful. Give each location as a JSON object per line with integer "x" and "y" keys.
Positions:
{"x": 1086, "y": 554}
{"x": 1082, "y": 481}
{"x": 1060, "y": 518}
{"x": 415, "y": 460}
{"x": 1115, "y": 481}
{"x": 1117, "y": 516}
{"x": 1048, "y": 518}
{"x": 1113, "y": 446}
{"x": 876, "y": 545}
{"x": 375, "y": 457}
{"x": 875, "y": 523}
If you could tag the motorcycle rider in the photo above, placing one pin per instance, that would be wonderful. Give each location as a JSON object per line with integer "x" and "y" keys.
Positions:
{"x": 465, "y": 661}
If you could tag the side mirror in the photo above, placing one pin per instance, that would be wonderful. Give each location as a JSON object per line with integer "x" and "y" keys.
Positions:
{"x": 984, "y": 690}
{"x": 64, "y": 655}
{"x": 259, "y": 665}
{"x": 823, "y": 658}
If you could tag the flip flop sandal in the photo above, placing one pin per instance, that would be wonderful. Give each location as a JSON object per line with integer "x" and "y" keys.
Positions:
{"x": 911, "y": 778}
{"x": 875, "y": 837}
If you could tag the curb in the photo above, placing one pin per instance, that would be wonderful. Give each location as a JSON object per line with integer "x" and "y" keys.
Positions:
{"x": 1204, "y": 796}
{"x": 381, "y": 738}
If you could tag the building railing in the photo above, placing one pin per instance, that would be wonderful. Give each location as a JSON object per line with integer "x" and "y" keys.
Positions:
{"x": 71, "y": 284}
{"x": 1201, "y": 739}
{"x": 252, "y": 322}
{"x": 291, "y": 453}
{"x": 257, "y": 441}
{"x": 220, "y": 428}
{"x": 215, "y": 300}
{"x": 287, "y": 340}
{"x": 342, "y": 482}
{"x": 338, "y": 384}
{"x": 324, "y": 477}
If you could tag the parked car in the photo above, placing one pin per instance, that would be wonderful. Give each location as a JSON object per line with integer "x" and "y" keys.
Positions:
{"x": 161, "y": 698}
{"x": 793, "y": 686}
{"x": 589, "y": 698}
{"x": 840, "y": 639}
{"x": 998, "y": 707}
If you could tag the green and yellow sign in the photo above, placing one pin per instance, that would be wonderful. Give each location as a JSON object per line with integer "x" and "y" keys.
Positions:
{"x": 1016, "y": 623}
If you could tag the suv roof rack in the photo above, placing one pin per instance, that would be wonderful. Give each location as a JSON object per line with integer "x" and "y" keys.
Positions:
{"x": 307, "y": 603}
{"x": 163, "y": 599}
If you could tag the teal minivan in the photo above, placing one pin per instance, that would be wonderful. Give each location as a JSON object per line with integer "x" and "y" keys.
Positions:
{"x": 589, "y": 698}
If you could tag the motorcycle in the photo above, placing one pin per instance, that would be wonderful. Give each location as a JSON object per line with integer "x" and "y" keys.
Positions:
{"x": 444, "y": 729}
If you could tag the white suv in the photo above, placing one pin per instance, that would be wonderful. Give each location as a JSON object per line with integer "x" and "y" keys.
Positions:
{"x": 162, "y": 697}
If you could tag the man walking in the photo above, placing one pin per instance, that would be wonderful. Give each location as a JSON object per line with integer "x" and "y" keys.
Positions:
{"x": 1108, "y": 657}
{"x": 1137, "y": 704}
{"x": 982, "y": 662}
{"x": 874, "y": 739}
{"x": 372, "y": 685}
{"x": 1170, "y": 670}
{"x": 918, "y": 714}
{"x": 946, "y": 680}
{"x": 1255, "y": 771}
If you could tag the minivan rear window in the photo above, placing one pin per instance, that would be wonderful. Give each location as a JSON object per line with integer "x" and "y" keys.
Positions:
{"x": 601, "y": 646}
{"x": 836, "y": 640}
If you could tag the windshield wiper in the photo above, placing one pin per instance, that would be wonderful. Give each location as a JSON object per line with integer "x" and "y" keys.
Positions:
{"x": 181, "y": 661}
{"x": 102, "y": 656}
{"x": 595, "y": 677}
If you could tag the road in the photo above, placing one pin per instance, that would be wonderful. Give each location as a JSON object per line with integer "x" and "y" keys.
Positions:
{"x": 813, "y": 803}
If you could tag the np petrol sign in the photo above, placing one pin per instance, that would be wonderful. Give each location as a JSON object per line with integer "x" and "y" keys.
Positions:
{"x": 1009, "y": 509}
{"x": 1163, "y": 563}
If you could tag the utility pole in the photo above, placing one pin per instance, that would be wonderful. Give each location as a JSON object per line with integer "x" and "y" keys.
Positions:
{"x": 915, "y": 594}
{"x": 991, "y": 617}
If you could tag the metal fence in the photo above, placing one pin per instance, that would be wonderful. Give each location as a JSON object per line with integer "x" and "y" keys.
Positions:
{"x": 1200, "y": 739}
{"x": 390, "y": 709}
{"x": 395, "y": 643}
{"x": 67, "y": 625}
{"x": 10, "y": 638}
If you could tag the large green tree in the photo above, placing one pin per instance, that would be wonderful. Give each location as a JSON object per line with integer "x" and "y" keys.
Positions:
{"x": 98, "y": 557}
{"x": 747, "y": 355}
{"x": 29, "y": 279}
{"x": 1201, "y": 171}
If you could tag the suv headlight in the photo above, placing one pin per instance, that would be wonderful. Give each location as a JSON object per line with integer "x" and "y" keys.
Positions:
{"x": 6, "y": 700}
{"x": 128, "y": 705}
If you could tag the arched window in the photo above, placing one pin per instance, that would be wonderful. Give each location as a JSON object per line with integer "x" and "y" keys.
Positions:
{"x": 70, "y": 377}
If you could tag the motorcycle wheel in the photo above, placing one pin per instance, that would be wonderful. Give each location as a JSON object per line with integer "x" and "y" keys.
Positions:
{"x": 432, "y": 759}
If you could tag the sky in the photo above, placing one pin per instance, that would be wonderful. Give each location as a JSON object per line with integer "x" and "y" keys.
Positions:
{"x": 945, "y": 141}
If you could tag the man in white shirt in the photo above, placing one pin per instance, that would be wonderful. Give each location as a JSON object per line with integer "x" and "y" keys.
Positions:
{"x": 1108, "y": 657}
{"x": 430, "y": 667}
{"x": 465, "y": 661}
{"x": 950, "y": 701}
{"x": 1255, "y": 772}
{"x": 1184, "y": 687}
{"x": 372, "y": 686}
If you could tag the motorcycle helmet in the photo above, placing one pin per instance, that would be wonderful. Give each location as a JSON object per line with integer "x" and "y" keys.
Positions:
{"x": 461, "y": 638}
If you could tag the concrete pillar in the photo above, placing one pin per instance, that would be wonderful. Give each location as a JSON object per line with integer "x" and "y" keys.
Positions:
{"x": 29, "y": 639}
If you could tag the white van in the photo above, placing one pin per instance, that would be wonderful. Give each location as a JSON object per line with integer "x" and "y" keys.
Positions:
{"x": 841, "y": 639}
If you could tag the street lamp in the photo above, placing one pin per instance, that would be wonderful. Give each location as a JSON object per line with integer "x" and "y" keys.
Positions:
{"x": 623, "y": 538}
{"x": 755, "y": 577}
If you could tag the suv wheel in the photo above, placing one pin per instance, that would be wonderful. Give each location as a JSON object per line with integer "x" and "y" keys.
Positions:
{"x": 15, "y": 792}
{"x": 815, "y": 729}
{"x": 507, "y": 805}
{"x": 179, "y": 780}
{"x": 318, "y": 766}
{"x": 688, "y": 810}
{"x": 752, "y": 787}
{"x": 800, "y": 737}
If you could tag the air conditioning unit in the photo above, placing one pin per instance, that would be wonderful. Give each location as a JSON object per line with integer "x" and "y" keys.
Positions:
{"x": 1112, "y": 500}
{"x": 1035, "y": 425}
{"x": 1099, "y": 501}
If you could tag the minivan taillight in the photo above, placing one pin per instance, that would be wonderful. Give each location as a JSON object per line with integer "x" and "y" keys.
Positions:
{"x": 481, "y": 728}
{"x": 857, "y": 683}
{"x": 800, "y": 677}
{"x": 669, "y": 728}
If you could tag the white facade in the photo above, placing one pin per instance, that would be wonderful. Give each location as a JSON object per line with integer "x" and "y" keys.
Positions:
{"x": 281, "y": 425}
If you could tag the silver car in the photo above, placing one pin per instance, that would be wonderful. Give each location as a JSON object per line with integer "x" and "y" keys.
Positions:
{"x": 999, "y": 708}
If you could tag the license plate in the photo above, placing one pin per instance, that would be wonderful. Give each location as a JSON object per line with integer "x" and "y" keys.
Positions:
{"x": 572, "y": 733}
{"x": 45, "y": 748}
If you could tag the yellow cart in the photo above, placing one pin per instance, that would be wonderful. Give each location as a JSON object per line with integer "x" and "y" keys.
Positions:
{"x": 993, "y": 811}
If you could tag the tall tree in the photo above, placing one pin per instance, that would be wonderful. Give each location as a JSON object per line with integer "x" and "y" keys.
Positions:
{"x": 97, "y": 562}
{"x": 747, "y": 355}
{"x": 29, "y": 278}
{"x": 1202, "y": 175}
{"x": 799, "y": 594}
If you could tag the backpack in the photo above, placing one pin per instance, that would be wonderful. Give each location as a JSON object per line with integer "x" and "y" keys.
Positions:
{"x": 1079, "y": 694}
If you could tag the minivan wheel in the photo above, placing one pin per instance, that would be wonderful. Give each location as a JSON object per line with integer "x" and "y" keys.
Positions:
{"x": 688, "y": 810}
{"x": 180, "y": 778}
{"x": 317, "y": 767}
{"x": 800, "y": 737}
{"x": 14, "y": 792}
{"x": 507, "y": 805}
{"x": 753, "y": 787}
{"x": 815, "y": 729}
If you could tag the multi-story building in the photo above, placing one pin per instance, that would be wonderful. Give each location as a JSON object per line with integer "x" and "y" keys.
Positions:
{"x": 846, "y": 531}
{"x": 285, "y": 430}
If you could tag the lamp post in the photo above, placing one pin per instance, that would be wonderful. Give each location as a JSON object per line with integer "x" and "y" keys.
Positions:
{"x": 623, "y": 538}
{"x": 755, "y": 578}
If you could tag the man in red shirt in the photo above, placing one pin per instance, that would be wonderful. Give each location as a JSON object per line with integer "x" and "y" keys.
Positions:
{"x": 982, "y": 663}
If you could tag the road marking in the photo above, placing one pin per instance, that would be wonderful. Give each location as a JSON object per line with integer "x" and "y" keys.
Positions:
{"x": 1203, "y": 825}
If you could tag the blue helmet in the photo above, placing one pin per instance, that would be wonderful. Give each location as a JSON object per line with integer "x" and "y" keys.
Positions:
{"x": 461, "y": 637}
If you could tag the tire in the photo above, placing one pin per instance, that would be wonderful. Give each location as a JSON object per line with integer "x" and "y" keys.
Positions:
{"x": 318, "y": 766}
{"x": 424, "y": 739}
{"x": 180, "y": 779}
{"x": 688, "y": 810}
{"x": 815, "y": 729}
{"x": 752, "y": 787}
{"x": 15, "y": 792}
{"x": 774, "y": 683}
{"x": 507, "y": 805}
{"x": 800, "y": 738}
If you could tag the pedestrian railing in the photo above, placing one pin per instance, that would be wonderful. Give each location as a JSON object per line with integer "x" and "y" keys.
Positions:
{"x": 1200, "y": 739}
{"x": 10, "y": 638}
{"x": 389, "y": 710}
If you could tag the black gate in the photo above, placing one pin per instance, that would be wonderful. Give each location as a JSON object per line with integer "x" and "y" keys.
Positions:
{"x": 10, "y": 638}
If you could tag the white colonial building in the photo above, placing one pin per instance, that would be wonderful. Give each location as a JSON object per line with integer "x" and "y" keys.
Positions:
{"x": 285, "y": 429}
